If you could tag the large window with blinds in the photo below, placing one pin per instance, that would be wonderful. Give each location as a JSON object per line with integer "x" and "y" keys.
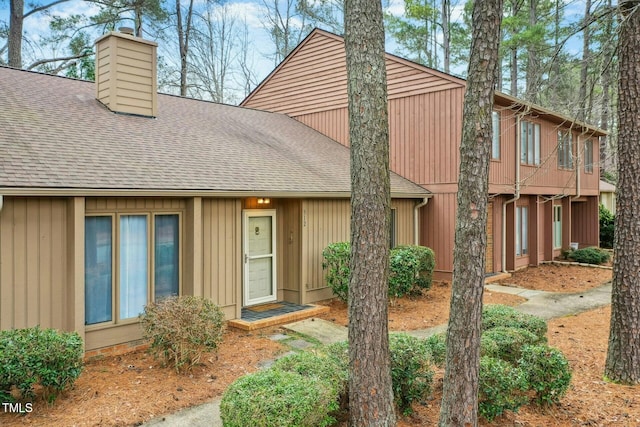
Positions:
{"x": 130, "y": 260}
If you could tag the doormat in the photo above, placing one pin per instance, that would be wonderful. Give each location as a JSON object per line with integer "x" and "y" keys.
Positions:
{"x": 265, "y": 311}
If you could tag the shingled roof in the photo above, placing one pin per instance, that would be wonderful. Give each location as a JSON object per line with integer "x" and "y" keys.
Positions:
{"x": 54, "y": 134}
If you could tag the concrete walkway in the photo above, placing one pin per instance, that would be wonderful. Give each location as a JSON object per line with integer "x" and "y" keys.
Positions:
{"x": 547, "y": 305}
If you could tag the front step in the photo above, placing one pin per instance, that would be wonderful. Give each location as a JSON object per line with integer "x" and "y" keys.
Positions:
{"x": 310, "y": 310}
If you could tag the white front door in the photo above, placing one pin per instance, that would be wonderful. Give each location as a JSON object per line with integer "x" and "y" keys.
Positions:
{"x": 259, "y": 246}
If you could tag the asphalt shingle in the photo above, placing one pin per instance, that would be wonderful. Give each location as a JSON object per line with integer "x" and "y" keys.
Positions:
{"x": 55, "y": 134}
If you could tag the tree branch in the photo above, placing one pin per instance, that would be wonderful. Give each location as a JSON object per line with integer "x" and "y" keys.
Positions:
{"x": 41, "y": 8}
{"x": 65, "y": 58}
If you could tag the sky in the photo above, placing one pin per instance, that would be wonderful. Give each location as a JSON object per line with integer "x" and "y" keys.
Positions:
{"x": 37, "y": 25}
{"x": 253, "y": 11}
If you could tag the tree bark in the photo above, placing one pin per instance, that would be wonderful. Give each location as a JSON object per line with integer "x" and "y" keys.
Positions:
{"x": 623, "y": 355}
{"x": 533, "y": 66}
{"x": 460, "y": 391}
{"x": 370, "y": 393}
{"x": 584, "y": 66}
{"x": 446, "y": 34}
{"x": 605, "y": 82}
{"x": 16, "y": 18}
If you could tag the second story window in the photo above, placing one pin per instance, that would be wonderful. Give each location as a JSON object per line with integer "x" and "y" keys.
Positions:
{"x": 529, "y": 143}
{"x": 588, "y": 156}
{"x": 565, "y": 153}
{"x": 495, "y": 143}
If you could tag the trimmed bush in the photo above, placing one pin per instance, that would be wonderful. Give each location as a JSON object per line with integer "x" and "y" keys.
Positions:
{"x": 437, "y": 347}
{"x": 410, "y": 269}
{"x": 411, "y": 372}
{"x": 337, "y": 257}
{"x": 403, "y": 271}
{"x": 506, "y": 343}
{"x": 590, "y": 255}
{"x": 548, "y": 372}
{"x": 278, "y": 398}
{"x": 182, "y": 329}
{"x": 426, "y": 264}
{"x": 320, "y": 367}
{"x": 502, "y": 315}
{"x": 501, "y": 387}
{"x": 607, "y": 227}
{"x": 34, "y": 356}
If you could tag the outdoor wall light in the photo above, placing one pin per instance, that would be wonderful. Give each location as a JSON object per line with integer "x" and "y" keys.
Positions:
{"x": 264, "y": 201}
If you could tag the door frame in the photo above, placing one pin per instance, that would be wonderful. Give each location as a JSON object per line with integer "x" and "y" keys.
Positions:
{"x": 246, "y": 214}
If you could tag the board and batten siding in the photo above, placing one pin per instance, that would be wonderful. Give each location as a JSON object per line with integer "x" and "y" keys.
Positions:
{"x": 328, "y": 221}
{"x": 222, "y": 253}
{"x": 585, "y": 233}
{"x": 33, "y": 263}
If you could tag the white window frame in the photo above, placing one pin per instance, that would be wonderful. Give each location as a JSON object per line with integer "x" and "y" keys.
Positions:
{"x": 557, "y": 226}
{"x": 495, "y": 141}
{"x": 522, "y": 230}
{"x": 529, "y": 143}
{"x": 588, "y": 156}
{"x": 565, "y": 149}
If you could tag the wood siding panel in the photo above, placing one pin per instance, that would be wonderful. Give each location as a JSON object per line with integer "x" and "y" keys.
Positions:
{"x": 438, "y": 227}
{"x": 222, "y": 243}
{"x": 424, "y": 134}
{"x": 126, "y": 78}
{"x": 112, "y": 204}
{"x": 333, "y": 123}
{"x": 585, "y": 222}
{"x": 314, "y": 79}
{"x": 33, "y": 263}
{"x": 404, "y": 221}
{"x": 323, "y": 222}
{"x": 289, "y": 248}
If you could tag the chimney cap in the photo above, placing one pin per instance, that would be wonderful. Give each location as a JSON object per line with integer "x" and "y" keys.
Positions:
{"x": 126, "y": 30}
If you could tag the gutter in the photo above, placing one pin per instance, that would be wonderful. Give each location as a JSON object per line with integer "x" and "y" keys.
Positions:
{"x": 515, "y": 197}
{"x": 416, "y": 237}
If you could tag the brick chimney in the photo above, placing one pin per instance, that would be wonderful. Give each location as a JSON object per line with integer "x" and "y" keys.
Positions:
{"x": 126, "y": 73}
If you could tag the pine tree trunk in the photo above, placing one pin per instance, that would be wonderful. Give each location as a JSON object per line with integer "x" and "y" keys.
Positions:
{"x": 370, "y": 394}
{"x": 460, "y": 391}
{"x": 16, "y": 13}
{"x": 623, "y": 356}
{"x": 584, "y": 66}
{"x": 533, "y": 68}
{"x": 606, "y": 88}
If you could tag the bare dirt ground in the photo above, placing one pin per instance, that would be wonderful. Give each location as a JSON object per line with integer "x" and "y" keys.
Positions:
{"x": 130, "y": 389}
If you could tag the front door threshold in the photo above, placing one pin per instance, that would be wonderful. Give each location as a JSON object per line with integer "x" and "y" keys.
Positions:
{"x": 246, "y": 324}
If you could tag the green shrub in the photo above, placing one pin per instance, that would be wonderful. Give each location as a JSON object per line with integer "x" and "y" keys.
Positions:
{"x": 426, "y": 264}
{"x": 410, "y": 269}
{"x": 278, "y": 398}
{"x": 34, "y": 356}
{"x": 503, "y": 342}
{"x": 182, "y": 329}
{"x": 437, "y": 346}
{"x": 548, "y": 372}
{"x": 318, "y": 366}
{"x": 495, "y": 315}
{"x": 501, "y": 387}
{"x": 403, "y": 270}
{"x": 590, "y": 255}
{"x": 411, "y": 372}
{"x": 607, "y": 227}
{"x": 337, "y": 257}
